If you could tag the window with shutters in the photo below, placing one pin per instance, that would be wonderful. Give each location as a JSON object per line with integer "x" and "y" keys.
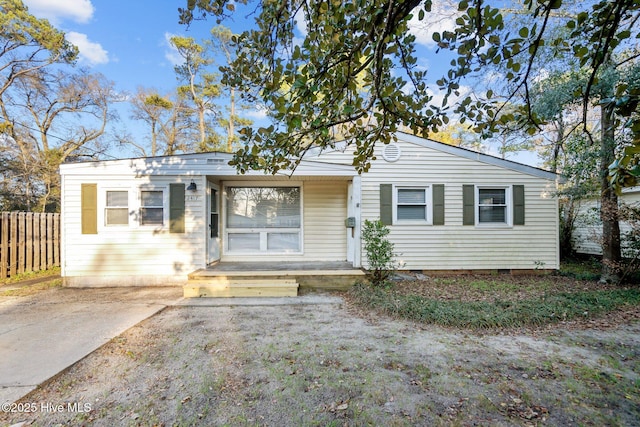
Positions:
{"x": 152, "y": 207}
{"x": 493, "y": 205}
{"x": 412, "y": 205}
{"x": 133, "y": 206}
{"x": 116, "y": 210}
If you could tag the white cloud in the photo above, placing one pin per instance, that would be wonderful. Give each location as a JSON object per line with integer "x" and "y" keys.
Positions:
{"x": 90, "y": 52}
{"x": 438, "y": 95}
{"x": 441, "y": 18}
{"x": 56, "y": 10}
{"x": 171, "y": 53}
{"x": 301, "y": 22}
{"x": 257, "y": 113}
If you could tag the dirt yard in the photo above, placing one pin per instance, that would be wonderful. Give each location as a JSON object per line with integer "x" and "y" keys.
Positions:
{"x": 333, "y": 365}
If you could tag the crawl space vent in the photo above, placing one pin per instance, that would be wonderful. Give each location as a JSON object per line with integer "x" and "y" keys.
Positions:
{"x": 391, "y": 152}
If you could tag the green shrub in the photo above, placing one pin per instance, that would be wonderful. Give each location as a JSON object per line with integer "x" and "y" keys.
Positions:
{"x": 379, "y": 250}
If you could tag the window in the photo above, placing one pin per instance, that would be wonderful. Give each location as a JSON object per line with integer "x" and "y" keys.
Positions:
{"x": 151, "y": 207}
{"x": 492, "y": 205}
{"x": 411, "y": 204}
{"x": 213, "y": 208}
{"x": 116, "y": 210}
{"x": 263, "y": 219}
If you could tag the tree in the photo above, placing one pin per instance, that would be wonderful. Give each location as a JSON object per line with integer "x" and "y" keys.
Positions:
{"x": 33, "y": 102}
{"x": 611, "y": 252}
{"x": 371, "y": 41}
{"x": 200, "y": 85}
{"x": 459, "y": 135}
{"x": 18, "y": 171}
{"x": 222, "y": 41}
{"x": 54, "y": 117}
{"x": 346, "y": 44}
{"x": 150, "y": 108}
{"x": 203, "y": 87}
{"x": 604, "y": 140}
{"x": 28, "y": 44}
{"x": 170, "y": 122}
{"x": 510, "y": 139}
{"x": 177, "y": 130}
{"x": 555, "y": 102}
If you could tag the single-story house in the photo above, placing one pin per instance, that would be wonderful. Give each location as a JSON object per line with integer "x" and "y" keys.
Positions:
{"x": 155, "y": 220}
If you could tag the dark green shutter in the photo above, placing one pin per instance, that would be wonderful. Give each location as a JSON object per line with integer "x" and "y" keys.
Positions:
{"x": 89, "y": 208}
{"x": 468, "y": 205}
{"x": 518, "y": 205}
{"x": 438, "y": 204}
{"x": 176, "y": 208}
{"x": 386, "y": 204}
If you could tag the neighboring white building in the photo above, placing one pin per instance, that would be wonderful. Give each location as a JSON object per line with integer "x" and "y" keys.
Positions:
{"x": 587, "y": 234}
{"x": 151, "y": 221}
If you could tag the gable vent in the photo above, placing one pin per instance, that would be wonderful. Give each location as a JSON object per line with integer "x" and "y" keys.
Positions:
{"x": 391, "y": 152}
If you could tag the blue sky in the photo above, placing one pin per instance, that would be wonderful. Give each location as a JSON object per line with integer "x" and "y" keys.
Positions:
{"x": 127, "y": 41}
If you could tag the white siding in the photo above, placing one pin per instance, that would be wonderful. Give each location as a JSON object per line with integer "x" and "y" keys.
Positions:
{"x": 133, "y": 254}
{"x": 325, "y": 209}
{"x": 588, "y": 229}
{"x": 453, "y": 246}
{"x": 587, "y": 234}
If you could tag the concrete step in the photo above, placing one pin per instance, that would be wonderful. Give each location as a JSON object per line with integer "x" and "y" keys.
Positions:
{"x": 222, "y": 287}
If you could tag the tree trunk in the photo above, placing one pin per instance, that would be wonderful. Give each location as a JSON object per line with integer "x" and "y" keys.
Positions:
{"x": 611, "y": 255}
{"x": 154, "y": 137}
{"x": 232, "y": 114}
{"x": 202, "y": 127}
{"x": 557, "y": 144}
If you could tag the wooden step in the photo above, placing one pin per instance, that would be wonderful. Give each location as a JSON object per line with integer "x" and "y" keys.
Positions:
{"x": 228, "y": 288}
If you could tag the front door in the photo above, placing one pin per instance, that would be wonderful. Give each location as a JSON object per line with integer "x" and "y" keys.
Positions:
{"x": 213, "y": 220}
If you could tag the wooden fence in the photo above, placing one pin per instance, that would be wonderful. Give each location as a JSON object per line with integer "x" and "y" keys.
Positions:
{"x": 28, "y": 242}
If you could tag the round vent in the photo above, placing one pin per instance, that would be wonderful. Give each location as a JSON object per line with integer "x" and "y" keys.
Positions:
{"x": 391, "y": 152}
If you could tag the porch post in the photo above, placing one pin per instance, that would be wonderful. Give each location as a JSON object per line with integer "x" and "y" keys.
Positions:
{"x": 354, "y": 209}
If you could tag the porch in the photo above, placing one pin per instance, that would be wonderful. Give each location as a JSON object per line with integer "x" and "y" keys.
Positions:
{"x": 270, "y": 279}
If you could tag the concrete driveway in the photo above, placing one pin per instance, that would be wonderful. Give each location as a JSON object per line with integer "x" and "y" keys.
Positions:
{"x": 45, "y": 333}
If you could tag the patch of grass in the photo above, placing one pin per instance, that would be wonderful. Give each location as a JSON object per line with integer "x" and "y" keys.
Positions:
{"x": 30, "y": 275}
{"x": 492, "y": 286}
{"x": 32, "y": 289}
{"x": 422, "y": 374}
{"x": 495, "y": 314}
{"x": 594, "y": 376}
{"x": 601, "y": 389}
{"x": 587, "y": 269}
